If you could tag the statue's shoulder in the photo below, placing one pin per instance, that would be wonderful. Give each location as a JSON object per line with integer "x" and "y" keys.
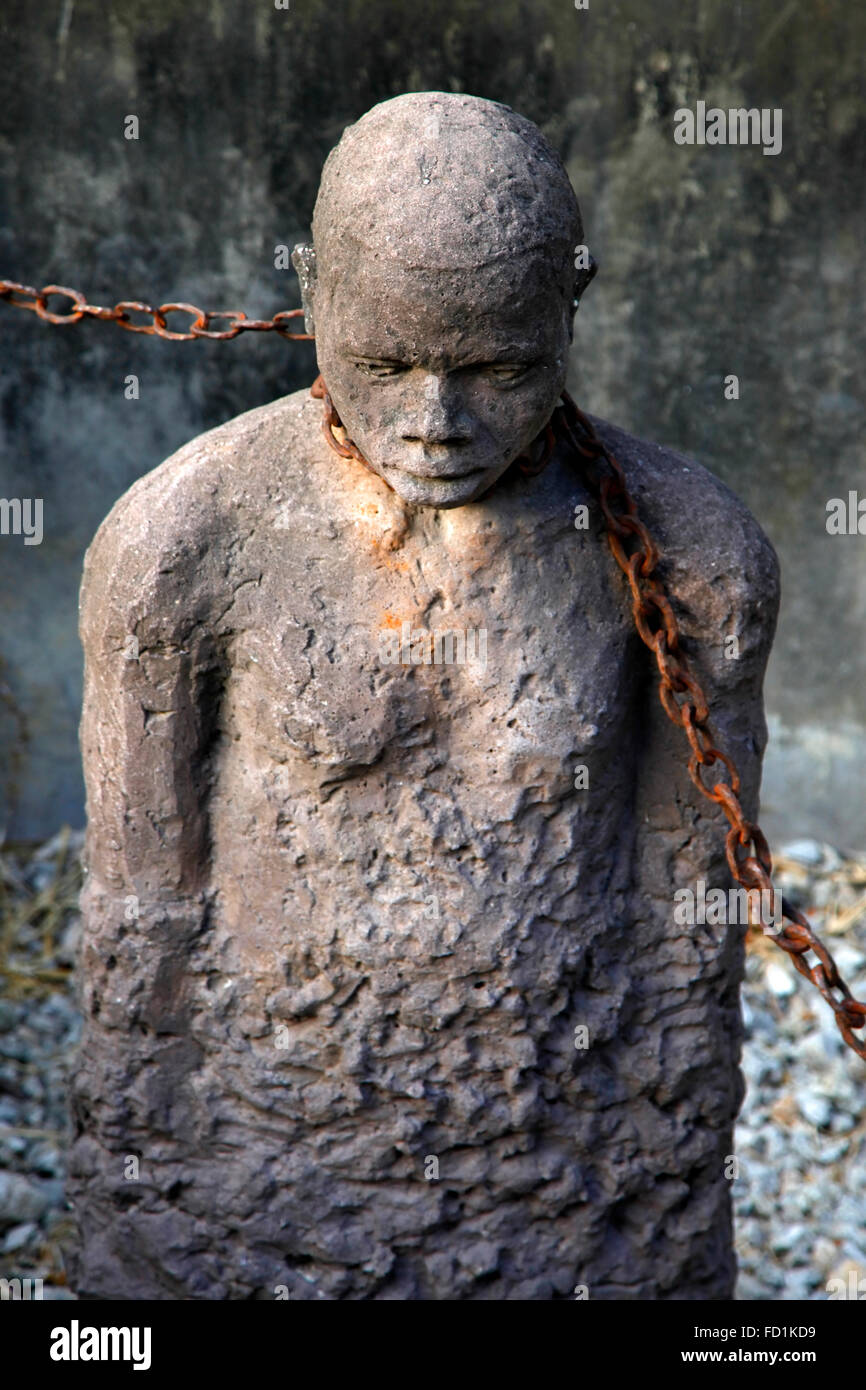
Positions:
{"x": 708, "y": 537}
{"x": 214, "y": 480}
{"x": 230, "y": 465}
{"x": 186, "y": 516}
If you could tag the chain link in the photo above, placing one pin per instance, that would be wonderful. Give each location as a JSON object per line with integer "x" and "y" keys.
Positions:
{"x": 26, "y": 297}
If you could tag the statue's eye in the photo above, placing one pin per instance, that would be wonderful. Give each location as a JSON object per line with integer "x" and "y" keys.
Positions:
{"x": 380, "y": 369}
{"x": 506, "y": 371}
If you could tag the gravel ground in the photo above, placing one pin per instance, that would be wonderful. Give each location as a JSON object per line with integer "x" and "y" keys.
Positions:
{"x": 800, "y": 1181}
{"x": 39, "y": 1031}
{"x": 800, "y": 1198}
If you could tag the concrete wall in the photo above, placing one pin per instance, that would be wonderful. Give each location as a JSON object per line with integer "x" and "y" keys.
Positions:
{"x": 715, "y": 260}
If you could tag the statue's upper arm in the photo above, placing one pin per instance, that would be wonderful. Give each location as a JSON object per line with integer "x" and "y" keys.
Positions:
{"x": 152, "y": 672}
{"x": 726, "y": 579}
{"x": 722, "y": 576}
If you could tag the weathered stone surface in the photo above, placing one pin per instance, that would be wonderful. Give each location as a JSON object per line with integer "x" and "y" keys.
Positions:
{"x": 256, "y": 568}
{"x": 344, "y": 916}
{"x": 714, "y": 260}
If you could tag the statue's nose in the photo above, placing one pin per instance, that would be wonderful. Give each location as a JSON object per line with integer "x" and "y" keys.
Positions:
{"x": 436, "y": 414}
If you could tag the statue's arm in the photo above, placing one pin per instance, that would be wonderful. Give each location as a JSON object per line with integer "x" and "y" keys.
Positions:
{"x": 723, "y": 578}
{"x": 722, "y": 574}
{"x": 151, "y": 694}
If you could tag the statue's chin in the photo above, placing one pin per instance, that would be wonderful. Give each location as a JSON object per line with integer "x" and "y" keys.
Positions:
{"x": 437, "y": 492}
{"x": 424, "y": 490}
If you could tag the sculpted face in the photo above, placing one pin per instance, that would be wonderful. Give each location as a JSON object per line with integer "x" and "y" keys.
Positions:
{"x": 441, "y": 290}
{"x": 442, "y": 379}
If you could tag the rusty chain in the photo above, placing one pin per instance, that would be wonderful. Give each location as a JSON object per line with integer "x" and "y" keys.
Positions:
{"x": 636, "y": 554}
{"x": 26, "y": 297}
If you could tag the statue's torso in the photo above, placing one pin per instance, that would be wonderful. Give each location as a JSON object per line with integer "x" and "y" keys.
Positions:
{"x": 368, "y": 783}
{"x": 435, "y": 1034}
{"x": 407, "y": 882}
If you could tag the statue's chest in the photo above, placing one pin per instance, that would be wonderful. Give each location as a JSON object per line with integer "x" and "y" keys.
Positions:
{"x": 509, "y": 650}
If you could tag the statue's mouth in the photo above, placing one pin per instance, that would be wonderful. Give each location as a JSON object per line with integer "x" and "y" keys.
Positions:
{"x": 441, "y": 477}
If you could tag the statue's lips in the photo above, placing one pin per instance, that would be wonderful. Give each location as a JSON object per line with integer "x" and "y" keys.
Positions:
{"x": 439, "y": 477}
{"x": 442, "y": 477}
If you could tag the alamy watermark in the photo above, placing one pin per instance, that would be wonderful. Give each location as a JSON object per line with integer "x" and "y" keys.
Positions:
{"x": 738, "y": 125}
{"x": 77, "y": 1343}
{"x": 846, "y": 518}
{"x": 854, "y": 1288}
{"x": 449, "y": 647}
{"x": 20, "y": 1290}
{"x": 22, "y": 516}
{"x": 717, "y": 906}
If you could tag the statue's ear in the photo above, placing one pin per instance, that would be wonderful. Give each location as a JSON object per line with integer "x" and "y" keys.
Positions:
{"x": 304, "y": 261}
{"x": 583, "y": 275}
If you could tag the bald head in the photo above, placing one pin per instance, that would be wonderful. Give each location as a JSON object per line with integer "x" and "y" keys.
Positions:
{"x": 438, "y": 181}
{"x": 440, "y": 288}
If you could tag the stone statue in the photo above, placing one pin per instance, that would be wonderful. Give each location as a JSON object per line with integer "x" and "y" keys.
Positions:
{"x": 384, "y": 994}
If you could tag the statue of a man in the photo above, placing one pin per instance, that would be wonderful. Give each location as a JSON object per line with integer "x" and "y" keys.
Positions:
{"x": 384, "y": 993}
